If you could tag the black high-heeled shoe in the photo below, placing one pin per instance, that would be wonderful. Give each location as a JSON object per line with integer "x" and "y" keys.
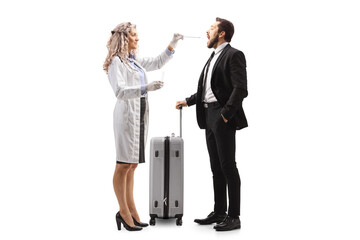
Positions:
{"x": 120, "y": 220}
{"x": 140, "y": 224}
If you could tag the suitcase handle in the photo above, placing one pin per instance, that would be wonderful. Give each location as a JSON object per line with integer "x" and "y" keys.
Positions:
{"x": 180, "y": 108}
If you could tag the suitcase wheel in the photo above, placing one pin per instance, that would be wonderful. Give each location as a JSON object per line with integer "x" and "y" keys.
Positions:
{"x": 179, "y": 222}
{"x": 152, "y": 222}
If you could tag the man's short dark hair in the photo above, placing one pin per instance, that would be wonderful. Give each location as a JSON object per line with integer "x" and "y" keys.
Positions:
{"x": 227, "y": 27}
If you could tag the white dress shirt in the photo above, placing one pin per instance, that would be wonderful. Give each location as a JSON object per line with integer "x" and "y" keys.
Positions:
{"x": 208, "y": 93}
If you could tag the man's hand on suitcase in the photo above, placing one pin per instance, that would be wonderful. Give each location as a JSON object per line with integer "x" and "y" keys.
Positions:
{"x": 153, "y": 86}
{"x": 182, "y": 103}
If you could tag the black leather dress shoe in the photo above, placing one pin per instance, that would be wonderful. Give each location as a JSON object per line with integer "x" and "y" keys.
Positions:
{"x": 228, "y": 224}
{"x": 211, "y": 218}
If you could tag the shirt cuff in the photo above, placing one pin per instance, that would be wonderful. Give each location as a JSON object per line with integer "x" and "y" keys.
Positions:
{"x": 143, "y": 89}
{"x": 168, "y": 52}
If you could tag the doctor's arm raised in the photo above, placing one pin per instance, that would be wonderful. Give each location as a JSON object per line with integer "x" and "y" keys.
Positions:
{"x": 151, "y": 64}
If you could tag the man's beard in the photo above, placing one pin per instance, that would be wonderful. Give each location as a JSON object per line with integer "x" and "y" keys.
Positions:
{"x": 214, "y": 41}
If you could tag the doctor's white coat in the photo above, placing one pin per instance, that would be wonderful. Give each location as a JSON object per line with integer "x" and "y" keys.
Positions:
{"x": 125, "y": 82}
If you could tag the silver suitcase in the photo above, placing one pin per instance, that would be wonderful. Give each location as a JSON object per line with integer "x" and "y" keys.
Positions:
{"x": 167, "y": 177}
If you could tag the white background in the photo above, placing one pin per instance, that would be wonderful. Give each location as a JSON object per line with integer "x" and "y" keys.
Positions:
{"x": 298, "y": 160}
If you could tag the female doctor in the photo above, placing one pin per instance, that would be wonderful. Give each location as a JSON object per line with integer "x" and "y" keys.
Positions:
{"x": 127, "y": 76}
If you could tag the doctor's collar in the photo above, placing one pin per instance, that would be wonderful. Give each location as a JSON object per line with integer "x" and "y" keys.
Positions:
{"x": 131, "y": 56}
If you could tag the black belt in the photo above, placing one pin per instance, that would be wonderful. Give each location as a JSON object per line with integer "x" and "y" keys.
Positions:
{"x": 210, "y": 104}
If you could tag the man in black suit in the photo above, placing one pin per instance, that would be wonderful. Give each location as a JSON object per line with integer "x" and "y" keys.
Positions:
{"x": 221, "y": 90}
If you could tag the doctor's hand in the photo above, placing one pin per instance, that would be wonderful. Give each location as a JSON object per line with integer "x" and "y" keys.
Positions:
{"x": 174, "y": 41}
{"x": 182, "y": 103}
{"x": 153, "y": 86}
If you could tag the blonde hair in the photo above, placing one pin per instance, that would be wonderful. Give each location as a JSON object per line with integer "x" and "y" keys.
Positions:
{"x": 118, "y": 44}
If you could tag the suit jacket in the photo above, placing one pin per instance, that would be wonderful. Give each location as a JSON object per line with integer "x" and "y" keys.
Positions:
{"x": 229, "y": 85}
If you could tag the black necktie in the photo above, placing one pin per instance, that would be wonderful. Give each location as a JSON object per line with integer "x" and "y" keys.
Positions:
{"x": 206, "y": 72}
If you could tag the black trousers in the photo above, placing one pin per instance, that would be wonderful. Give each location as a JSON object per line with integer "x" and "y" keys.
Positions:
{"x": 220, "y": 140}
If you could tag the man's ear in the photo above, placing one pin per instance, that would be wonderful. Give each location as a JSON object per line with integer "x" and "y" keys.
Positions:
{"x": 222, "y": 34}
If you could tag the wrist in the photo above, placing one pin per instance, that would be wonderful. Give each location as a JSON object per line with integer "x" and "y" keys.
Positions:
{"x": 225, "y": 120}
{"x": 170, "y": 48}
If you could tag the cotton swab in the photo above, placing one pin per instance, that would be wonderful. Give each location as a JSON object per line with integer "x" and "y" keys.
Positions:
{"x": 191, "y": 37}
